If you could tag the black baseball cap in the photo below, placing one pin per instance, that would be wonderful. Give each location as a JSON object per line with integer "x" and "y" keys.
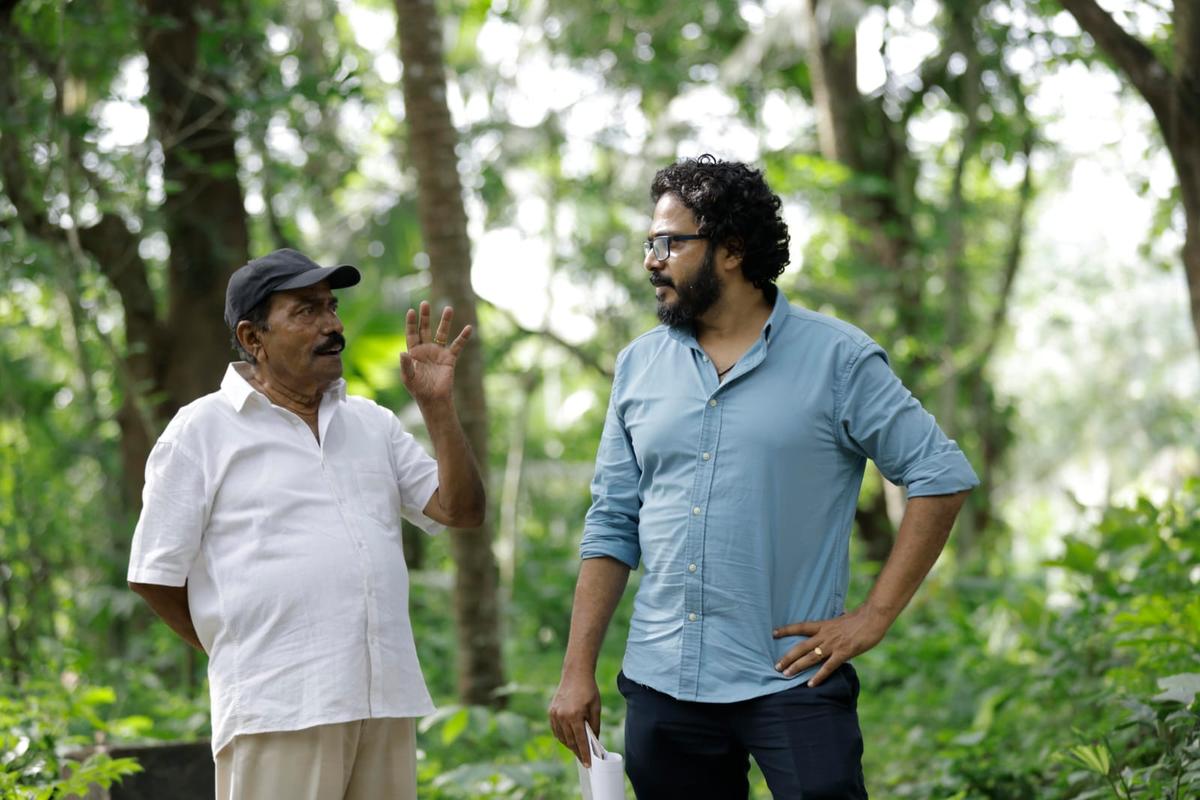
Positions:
{"x": 277, "y": 272}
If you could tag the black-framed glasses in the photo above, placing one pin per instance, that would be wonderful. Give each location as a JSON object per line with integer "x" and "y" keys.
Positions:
{"x": 661, "y": 245}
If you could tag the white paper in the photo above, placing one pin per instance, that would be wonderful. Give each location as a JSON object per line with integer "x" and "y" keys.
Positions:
{"x": 606, "y": 778}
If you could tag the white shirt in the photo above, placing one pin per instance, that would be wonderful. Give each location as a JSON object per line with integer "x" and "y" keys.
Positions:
{"x": 292, "y": 555}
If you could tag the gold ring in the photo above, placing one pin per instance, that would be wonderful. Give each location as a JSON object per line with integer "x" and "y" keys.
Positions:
{"x": 438, "y": 340}
{"x": 817, "y": 650}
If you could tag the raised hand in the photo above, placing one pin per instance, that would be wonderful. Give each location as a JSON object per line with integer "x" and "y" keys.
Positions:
{"x": 427, "y": 368}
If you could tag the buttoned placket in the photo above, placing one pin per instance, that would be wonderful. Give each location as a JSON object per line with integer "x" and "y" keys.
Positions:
{"x": 354, "y": 533}
{"x": 693, "y": 549}
{"x": 701, "y": 495}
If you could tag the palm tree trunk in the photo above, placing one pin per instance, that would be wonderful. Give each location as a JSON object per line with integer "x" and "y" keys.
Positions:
{"x": 431, "y": 142}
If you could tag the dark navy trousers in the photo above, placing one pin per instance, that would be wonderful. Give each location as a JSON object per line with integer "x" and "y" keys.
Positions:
{"x": 805, "y": 740}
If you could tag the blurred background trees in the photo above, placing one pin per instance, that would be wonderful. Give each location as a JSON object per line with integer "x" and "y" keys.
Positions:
{"x": 1002, "y": 194}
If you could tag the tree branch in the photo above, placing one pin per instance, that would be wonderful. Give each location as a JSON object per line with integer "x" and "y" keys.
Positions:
{"x": 1147, "y": 74}
{"x": 127, "y": 274}
{"x": 1175, "y": 101}
{"x": 114, "y": 248}
{"x": 955, "y": 307}
{"x": 1186, "y": 21}
{"x": 584, "y": 357}
{"x": 108, "y": 242}
{"x": 1014, "y": 254}
{"x": 831, "y": 59}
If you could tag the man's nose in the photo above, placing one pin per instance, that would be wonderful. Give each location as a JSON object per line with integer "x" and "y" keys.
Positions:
{"x": 333, "y": 323}
{"x": 651, "y": 262}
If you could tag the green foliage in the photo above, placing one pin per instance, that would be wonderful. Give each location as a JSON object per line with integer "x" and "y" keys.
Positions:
{"x": 646, "y": 44}
{"x": 1077, "y": 682}
{"x": 1080, "y": 683}
{"x": 45, "y": 722}
{"x": 479, "y": 752}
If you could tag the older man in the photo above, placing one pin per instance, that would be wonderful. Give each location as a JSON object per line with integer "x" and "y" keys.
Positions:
{"x": 730, "y": 465}
{"x": 270, "y": 539}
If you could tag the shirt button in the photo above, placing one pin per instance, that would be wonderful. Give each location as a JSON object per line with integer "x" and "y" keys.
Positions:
{"x": 706, "y": 456}
{"x": 696, "y": 510}
{"x": 692, "y": 617}
{"x": 713, "y": 402}
{"x": 704, "y": 359}
{"x": 691, "y": 567}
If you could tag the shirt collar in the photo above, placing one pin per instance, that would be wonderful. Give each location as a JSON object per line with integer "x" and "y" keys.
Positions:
{"x": 779, "y": 312}
{"x": 235, "y": 387}
{"x": 238, "y": 391}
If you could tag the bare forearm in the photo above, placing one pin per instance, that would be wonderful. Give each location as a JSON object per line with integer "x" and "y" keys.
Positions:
{"x": 460, "y": 493}
{"x": 923, "y": 533}
{"x": 170, "y": 603}
{"x": 598, "y": 591}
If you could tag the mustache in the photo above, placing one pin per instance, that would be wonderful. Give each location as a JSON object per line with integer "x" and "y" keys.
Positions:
{"x": 335, "y": 342}
{"x": 658, "y": 279}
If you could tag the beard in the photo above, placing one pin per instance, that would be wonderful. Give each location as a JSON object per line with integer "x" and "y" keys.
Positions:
{"x": 694, "y": 298}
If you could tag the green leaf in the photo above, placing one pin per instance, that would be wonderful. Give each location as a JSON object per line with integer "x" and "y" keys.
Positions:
{"x": 1094, "y": 757}
{"x": 456, "y": 725}
{"x": 98, "y": 696}
{"x": 1079, "y": 557}
{"x": 1181, "y": 688}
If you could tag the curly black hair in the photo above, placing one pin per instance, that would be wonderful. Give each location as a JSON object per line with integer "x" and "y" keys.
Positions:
{"x": 734, "y": 207}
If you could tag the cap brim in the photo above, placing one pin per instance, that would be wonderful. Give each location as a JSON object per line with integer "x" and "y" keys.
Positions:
{"x": 338, "y": 278}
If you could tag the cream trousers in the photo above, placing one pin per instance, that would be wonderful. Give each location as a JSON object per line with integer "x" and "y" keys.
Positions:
{"x": 371, "y": 758}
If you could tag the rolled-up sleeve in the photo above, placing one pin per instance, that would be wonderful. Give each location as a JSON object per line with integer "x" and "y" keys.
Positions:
{"x": 611, "y": 526}
{"x": 174, "y": 512}
{"x": 879, "y": 419}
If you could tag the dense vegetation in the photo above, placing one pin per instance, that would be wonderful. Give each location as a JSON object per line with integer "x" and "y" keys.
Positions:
{"x": 1055, "y": 650}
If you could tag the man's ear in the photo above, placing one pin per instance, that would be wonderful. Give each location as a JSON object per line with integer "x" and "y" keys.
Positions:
{"x": 250, "y": 338}
{"x": 733, "y": 250}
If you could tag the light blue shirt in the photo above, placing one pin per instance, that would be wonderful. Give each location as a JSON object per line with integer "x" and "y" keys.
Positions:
{"x": 739, "y": 496}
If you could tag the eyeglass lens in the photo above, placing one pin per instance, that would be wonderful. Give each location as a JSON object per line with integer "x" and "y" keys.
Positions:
{"x": 661, "y": 245}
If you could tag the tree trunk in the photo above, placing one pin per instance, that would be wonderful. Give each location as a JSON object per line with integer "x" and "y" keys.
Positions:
{"x": 1173, "y": 94}
{"x": 431, "y": 143}
{"x": 167, "y": 361}
{"x": 956, "y": 303}
{"x": 204, "y": 209}
{"x": 841, "y": 116}
{"x": 831, "y": 61}
{"x": 1186, "y": 138}
{"x": 857, "y": 133}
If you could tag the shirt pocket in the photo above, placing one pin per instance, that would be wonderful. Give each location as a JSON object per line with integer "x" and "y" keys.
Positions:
{"x": 377, "y": 495}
